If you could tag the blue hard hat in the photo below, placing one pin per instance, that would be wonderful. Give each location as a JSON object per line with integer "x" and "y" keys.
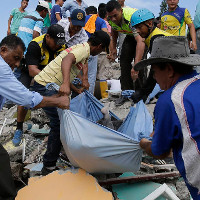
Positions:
{"x": 140, "y": 16}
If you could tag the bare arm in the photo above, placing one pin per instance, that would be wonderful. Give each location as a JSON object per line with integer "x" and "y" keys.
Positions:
{"x": 54, "y": 101}
{"x": 33, "y": 70}
{"x": 58, "y": 16}
{"x": 66, "y": 67}
{"x": 113, "y": 45}
{"x": 193, "y": 36}
{"x": 9, "y": 23}
{"x": 85, "y": 82}
{"x": 35, "y": 34}
{"x": 146, "y": 146}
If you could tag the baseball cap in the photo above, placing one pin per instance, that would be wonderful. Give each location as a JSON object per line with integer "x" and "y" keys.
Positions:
{"x": 57, "y": 32}
{"x": 44, "y": 4}
{"x": 78, "y": 17}
{"x": 103, "y": 38}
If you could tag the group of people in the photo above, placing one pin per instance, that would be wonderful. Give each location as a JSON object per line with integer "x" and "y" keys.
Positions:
{"x": 60, "y": 43}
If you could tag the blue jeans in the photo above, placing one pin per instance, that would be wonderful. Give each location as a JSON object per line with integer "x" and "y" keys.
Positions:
{"x": 92, "y": 72}
{"x": 54, "y": 144}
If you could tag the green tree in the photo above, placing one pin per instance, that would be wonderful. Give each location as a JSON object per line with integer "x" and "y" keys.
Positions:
{"x": 163, "y": 7}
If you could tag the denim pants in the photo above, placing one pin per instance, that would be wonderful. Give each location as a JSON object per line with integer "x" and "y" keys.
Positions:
{"x": 54, "y": 144}
{"x": 92, "y": 72}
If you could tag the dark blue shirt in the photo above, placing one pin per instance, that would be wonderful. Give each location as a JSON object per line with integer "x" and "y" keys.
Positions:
{"x": 56, "y": 9}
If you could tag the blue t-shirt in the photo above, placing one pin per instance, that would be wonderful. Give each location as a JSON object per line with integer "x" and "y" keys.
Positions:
{"x": 197, "y": 16}
{"x": 168, "y": 130}
{"x": 99, "y": 23}
{"x": 28, "y": 25}
{"x": 56, "y": 9}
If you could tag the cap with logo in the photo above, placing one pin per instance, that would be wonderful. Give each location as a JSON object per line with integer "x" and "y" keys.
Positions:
{"x": 78, "y": 17}
{"x": 44, "y": 4}
{"x": 57, "y": 32}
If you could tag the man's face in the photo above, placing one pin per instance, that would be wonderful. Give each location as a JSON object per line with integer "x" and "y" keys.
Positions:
{"x": 61, "y": 2}
{"x": 115, "y": 16}
{"x": 44, "y": 13}
{"x": 172, "y": 4}
{"x": 12, "y": 56}
{"x": 161, "y": 77}
{"x": 74, "y": 29}
{"x": 24, "y": 4}
{"x": 142, "y": 30}
{"x": 51, "y": 43}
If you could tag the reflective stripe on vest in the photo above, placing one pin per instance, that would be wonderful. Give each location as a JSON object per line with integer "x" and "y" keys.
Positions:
{"x": 190, "y": 151}
{"x": 24, "y": 29}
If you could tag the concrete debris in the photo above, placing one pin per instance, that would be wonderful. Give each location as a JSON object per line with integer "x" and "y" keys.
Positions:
{"x": 61, "y": 185}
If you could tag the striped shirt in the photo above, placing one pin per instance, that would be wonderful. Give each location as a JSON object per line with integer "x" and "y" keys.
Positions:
{"x": 52, "y": 73}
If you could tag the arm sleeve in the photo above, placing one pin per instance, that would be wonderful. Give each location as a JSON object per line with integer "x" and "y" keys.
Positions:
{"x": 187, "y": 17}
{"x": 103, "y": 24}
{"x": 80, "y": 54}
{"x": 33, "y": 54}
{"x": 57, "y": 9}
{"x": 13, "y": 12}
{"x": 16, "y": 91}
{"x": 165, "y": 126}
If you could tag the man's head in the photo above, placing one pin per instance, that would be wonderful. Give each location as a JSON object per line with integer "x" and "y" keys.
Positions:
{"x": 60, "y": 2}
{"x": 142, "y": 20}
{"x": 114, "y": 12}
{"x": 121, "y": 2}
{"x": 77, "y": 20}
{"x": 55, "y": 37}
{"x": 170, "y": 59}
{"x": 24, "y": 3}
{"x": 11, "y": 50}
{"x": 172, "y": 4}
{"x": 102, "y": 10}
{"x": 42, "y": 8}
{"x": 91, "y": 10}
{"x": 99, "y": 41}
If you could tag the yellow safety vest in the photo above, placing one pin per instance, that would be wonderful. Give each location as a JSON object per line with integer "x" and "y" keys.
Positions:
{"x": 127, "y": 13}
{"x": 155, "y": 32}
{"x": 44, "y": 52}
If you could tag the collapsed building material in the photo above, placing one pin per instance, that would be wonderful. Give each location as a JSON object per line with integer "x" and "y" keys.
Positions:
{"x": 61, "y": 185}
{"x": 140, "y": 178}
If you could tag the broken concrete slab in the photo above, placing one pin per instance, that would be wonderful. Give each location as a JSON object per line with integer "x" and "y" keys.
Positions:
{"x": 61, "y": 185}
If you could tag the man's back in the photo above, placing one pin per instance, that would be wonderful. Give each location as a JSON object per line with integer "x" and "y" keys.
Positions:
{"x": 30, "y": 23}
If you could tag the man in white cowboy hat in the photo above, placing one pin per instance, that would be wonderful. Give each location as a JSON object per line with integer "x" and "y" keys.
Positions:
{"x": 177, "y": 124}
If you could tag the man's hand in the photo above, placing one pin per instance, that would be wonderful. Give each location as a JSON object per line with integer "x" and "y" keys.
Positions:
{"x": 113, "y": 55}
{"x": 85, "y": 84}
{"x": 134, "y": 74}
{"x": 193, "y": 46}
{"x": 64, "y": 90}
{"x": 63, "y": 102}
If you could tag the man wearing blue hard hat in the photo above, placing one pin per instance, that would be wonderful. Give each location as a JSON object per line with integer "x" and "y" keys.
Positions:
{"x": 143, "y": 21}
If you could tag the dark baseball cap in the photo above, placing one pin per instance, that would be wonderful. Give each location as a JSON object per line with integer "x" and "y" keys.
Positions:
{"x": 103, "y": 38}
{"x": 78, "y": 17}
{"x": 57, "y": 32}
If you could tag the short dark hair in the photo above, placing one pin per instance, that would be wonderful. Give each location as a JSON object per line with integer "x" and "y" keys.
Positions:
{"x": 41, "y": 8}
{"x": 25, "y": 0}
{"x": 179, "y": 68}
{"x": 102, "y": 10}
{"x": 12, "y": 42}
{"x": 111, "y": 5}
{"x": 91, "y": 10}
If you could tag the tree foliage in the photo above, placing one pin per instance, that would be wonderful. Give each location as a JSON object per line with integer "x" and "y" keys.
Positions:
{"x": 163, "y": 7}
